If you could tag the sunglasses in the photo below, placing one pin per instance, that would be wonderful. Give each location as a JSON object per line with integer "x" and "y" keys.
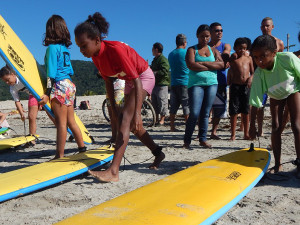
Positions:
{"x": 221, "y": 30}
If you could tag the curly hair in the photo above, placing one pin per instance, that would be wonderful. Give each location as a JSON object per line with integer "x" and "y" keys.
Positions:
{"x": 95, "y": 26}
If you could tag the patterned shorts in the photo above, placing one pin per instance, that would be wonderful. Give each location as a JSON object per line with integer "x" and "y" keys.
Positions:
{"x": 119, "y": 98}
{"x": 64, "y": 91}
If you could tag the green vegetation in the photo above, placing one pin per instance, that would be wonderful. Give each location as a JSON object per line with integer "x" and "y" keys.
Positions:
{"x": 85, "y": 78}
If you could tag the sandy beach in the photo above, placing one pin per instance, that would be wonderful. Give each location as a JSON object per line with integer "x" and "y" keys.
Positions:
{"x": 274, "y": 200}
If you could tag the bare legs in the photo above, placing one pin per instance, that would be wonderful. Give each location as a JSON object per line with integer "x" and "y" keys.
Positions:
{"x": 172, "y": 121}
{"x": 215, "y": 124}
{"x": 244, "y": 121}
{"x": 125, "y": 119}
{"x": 64, "y": 116}
{"x": 32, "y": 115}
{"x": 294, "y": 109}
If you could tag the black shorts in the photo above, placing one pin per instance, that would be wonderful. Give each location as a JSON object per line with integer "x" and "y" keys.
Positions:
{"x": 239, "y": 99}
{"x": 220, "y": 104}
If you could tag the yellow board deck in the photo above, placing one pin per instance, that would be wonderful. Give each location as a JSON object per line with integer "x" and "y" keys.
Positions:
{"x": 32, "y": 178}
{"x": 15, "y": 54}
{"x": 16, "y": 141}
{"x": 197, "y": 195}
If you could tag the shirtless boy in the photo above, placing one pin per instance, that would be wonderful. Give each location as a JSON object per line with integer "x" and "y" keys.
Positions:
{"x": 240, "y": 78}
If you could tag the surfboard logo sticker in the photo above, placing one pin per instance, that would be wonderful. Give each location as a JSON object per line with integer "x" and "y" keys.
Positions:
{"x": 15, "y": 57}
{"x": 2, "y": 31}
{"x": 234, "y": 175}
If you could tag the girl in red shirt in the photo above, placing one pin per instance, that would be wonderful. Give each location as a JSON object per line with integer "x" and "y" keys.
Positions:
{"x": 117, "y": 60}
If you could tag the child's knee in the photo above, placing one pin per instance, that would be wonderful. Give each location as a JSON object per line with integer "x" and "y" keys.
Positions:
{"x": 31, "y": 117}
{"x": 295, "y": 128}
{"x": 276, "y": 129}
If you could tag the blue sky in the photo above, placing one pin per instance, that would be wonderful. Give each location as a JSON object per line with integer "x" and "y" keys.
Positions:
{"x": 142, "y": 23}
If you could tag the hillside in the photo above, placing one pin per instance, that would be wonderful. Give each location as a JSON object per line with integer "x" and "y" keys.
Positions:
{"x": 85, "y": 78}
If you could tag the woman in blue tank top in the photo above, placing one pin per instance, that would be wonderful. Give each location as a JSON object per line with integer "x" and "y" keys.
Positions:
{"x": 203, "y": 62}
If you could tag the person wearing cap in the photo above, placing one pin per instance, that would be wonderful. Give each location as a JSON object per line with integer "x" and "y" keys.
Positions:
{"x": 160, "y": 67}
{"x": 179, "y": 80}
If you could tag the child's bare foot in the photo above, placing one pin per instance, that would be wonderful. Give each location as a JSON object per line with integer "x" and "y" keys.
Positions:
{"x": 186, "y": 146}
{"x": 232, "y": 138}
{"x": 157, "y": 161}
{"x": 174, "y": 129}
{"x": 104, "y": 176}
{"x": 297, "y": 163}
{"x": 205, "y": 144}
{"x": 56, "y": 157}
{"x": 215, "y": 137}
{"x": 247, "y": 137}
{"x": 276, "y": 169}
{"x": 260, "y": 134}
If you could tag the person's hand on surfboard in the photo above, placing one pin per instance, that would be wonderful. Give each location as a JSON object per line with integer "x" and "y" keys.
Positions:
{"x": 45, "y": 99}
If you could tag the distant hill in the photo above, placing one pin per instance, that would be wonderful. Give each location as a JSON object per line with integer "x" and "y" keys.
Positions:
{"x": 85, "y": 79}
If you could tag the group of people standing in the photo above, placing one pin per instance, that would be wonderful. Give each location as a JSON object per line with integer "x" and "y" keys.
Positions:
{"x": 198, "y": 75}
{"x": 199, "y": 83}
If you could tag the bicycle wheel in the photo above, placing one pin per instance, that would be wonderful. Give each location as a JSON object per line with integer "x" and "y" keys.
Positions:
{"x": 148, "y": 114}
{"x": 105, "y": 110}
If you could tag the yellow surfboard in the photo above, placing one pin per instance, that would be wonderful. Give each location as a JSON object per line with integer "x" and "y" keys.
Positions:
{"x": 32, "y": 178}
{"x": 15, "y": 54}
{"x": 16, "y": 141}
{"x": 197, "y": 195}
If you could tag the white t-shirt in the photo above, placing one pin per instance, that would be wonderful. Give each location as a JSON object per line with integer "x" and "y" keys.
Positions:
{"x": 15, "y": 89}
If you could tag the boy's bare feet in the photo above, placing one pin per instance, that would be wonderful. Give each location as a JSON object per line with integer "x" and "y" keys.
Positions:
{"x": 174, "y": 129}
{"x": 260, "y": 134}
{"x": 215, "y": 137}
{"x": 247, "y": 137}
{"x": 186, "y": 146}
{"x": 276, "y": 169}
{"x": 232, "y": 138}
{"x": 297, "y": 163}
{"x": 104, "y": 176}
{"x": 205, "y": 144}
{"x": 56, "y": 157}
{"x": 157, "y": 161}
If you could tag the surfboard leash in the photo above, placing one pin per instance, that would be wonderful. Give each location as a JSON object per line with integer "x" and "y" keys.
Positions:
{"x": 24, "y": 128}
{"x": 125, "y": 159}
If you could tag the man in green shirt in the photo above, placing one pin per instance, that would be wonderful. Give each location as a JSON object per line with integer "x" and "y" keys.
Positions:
{"x": 160, "y": 67}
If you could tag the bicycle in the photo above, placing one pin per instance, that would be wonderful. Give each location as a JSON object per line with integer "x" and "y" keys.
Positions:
{"x": 147, "y": 112}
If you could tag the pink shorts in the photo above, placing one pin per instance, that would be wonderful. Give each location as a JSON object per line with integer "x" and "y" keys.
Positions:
{"x": 32, "y": 101}
{"x": 147, "y": 79}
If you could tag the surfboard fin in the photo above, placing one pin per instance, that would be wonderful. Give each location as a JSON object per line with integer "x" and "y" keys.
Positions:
{"x": 251, "y": 149}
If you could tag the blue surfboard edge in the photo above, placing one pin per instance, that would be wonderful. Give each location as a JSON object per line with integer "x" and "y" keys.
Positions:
{"x": 53, "y": 181}
{"x": 214, "y": 217}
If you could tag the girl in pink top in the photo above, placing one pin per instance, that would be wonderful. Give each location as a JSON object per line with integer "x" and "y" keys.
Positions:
{"x": 117, "y": 60}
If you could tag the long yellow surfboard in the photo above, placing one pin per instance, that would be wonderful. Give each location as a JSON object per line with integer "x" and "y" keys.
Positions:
{"x": 32, "y": 178}
{"x": 15, "y": 54}
{"x": 197, "y": 195}
{"x": 16, "y": 141}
